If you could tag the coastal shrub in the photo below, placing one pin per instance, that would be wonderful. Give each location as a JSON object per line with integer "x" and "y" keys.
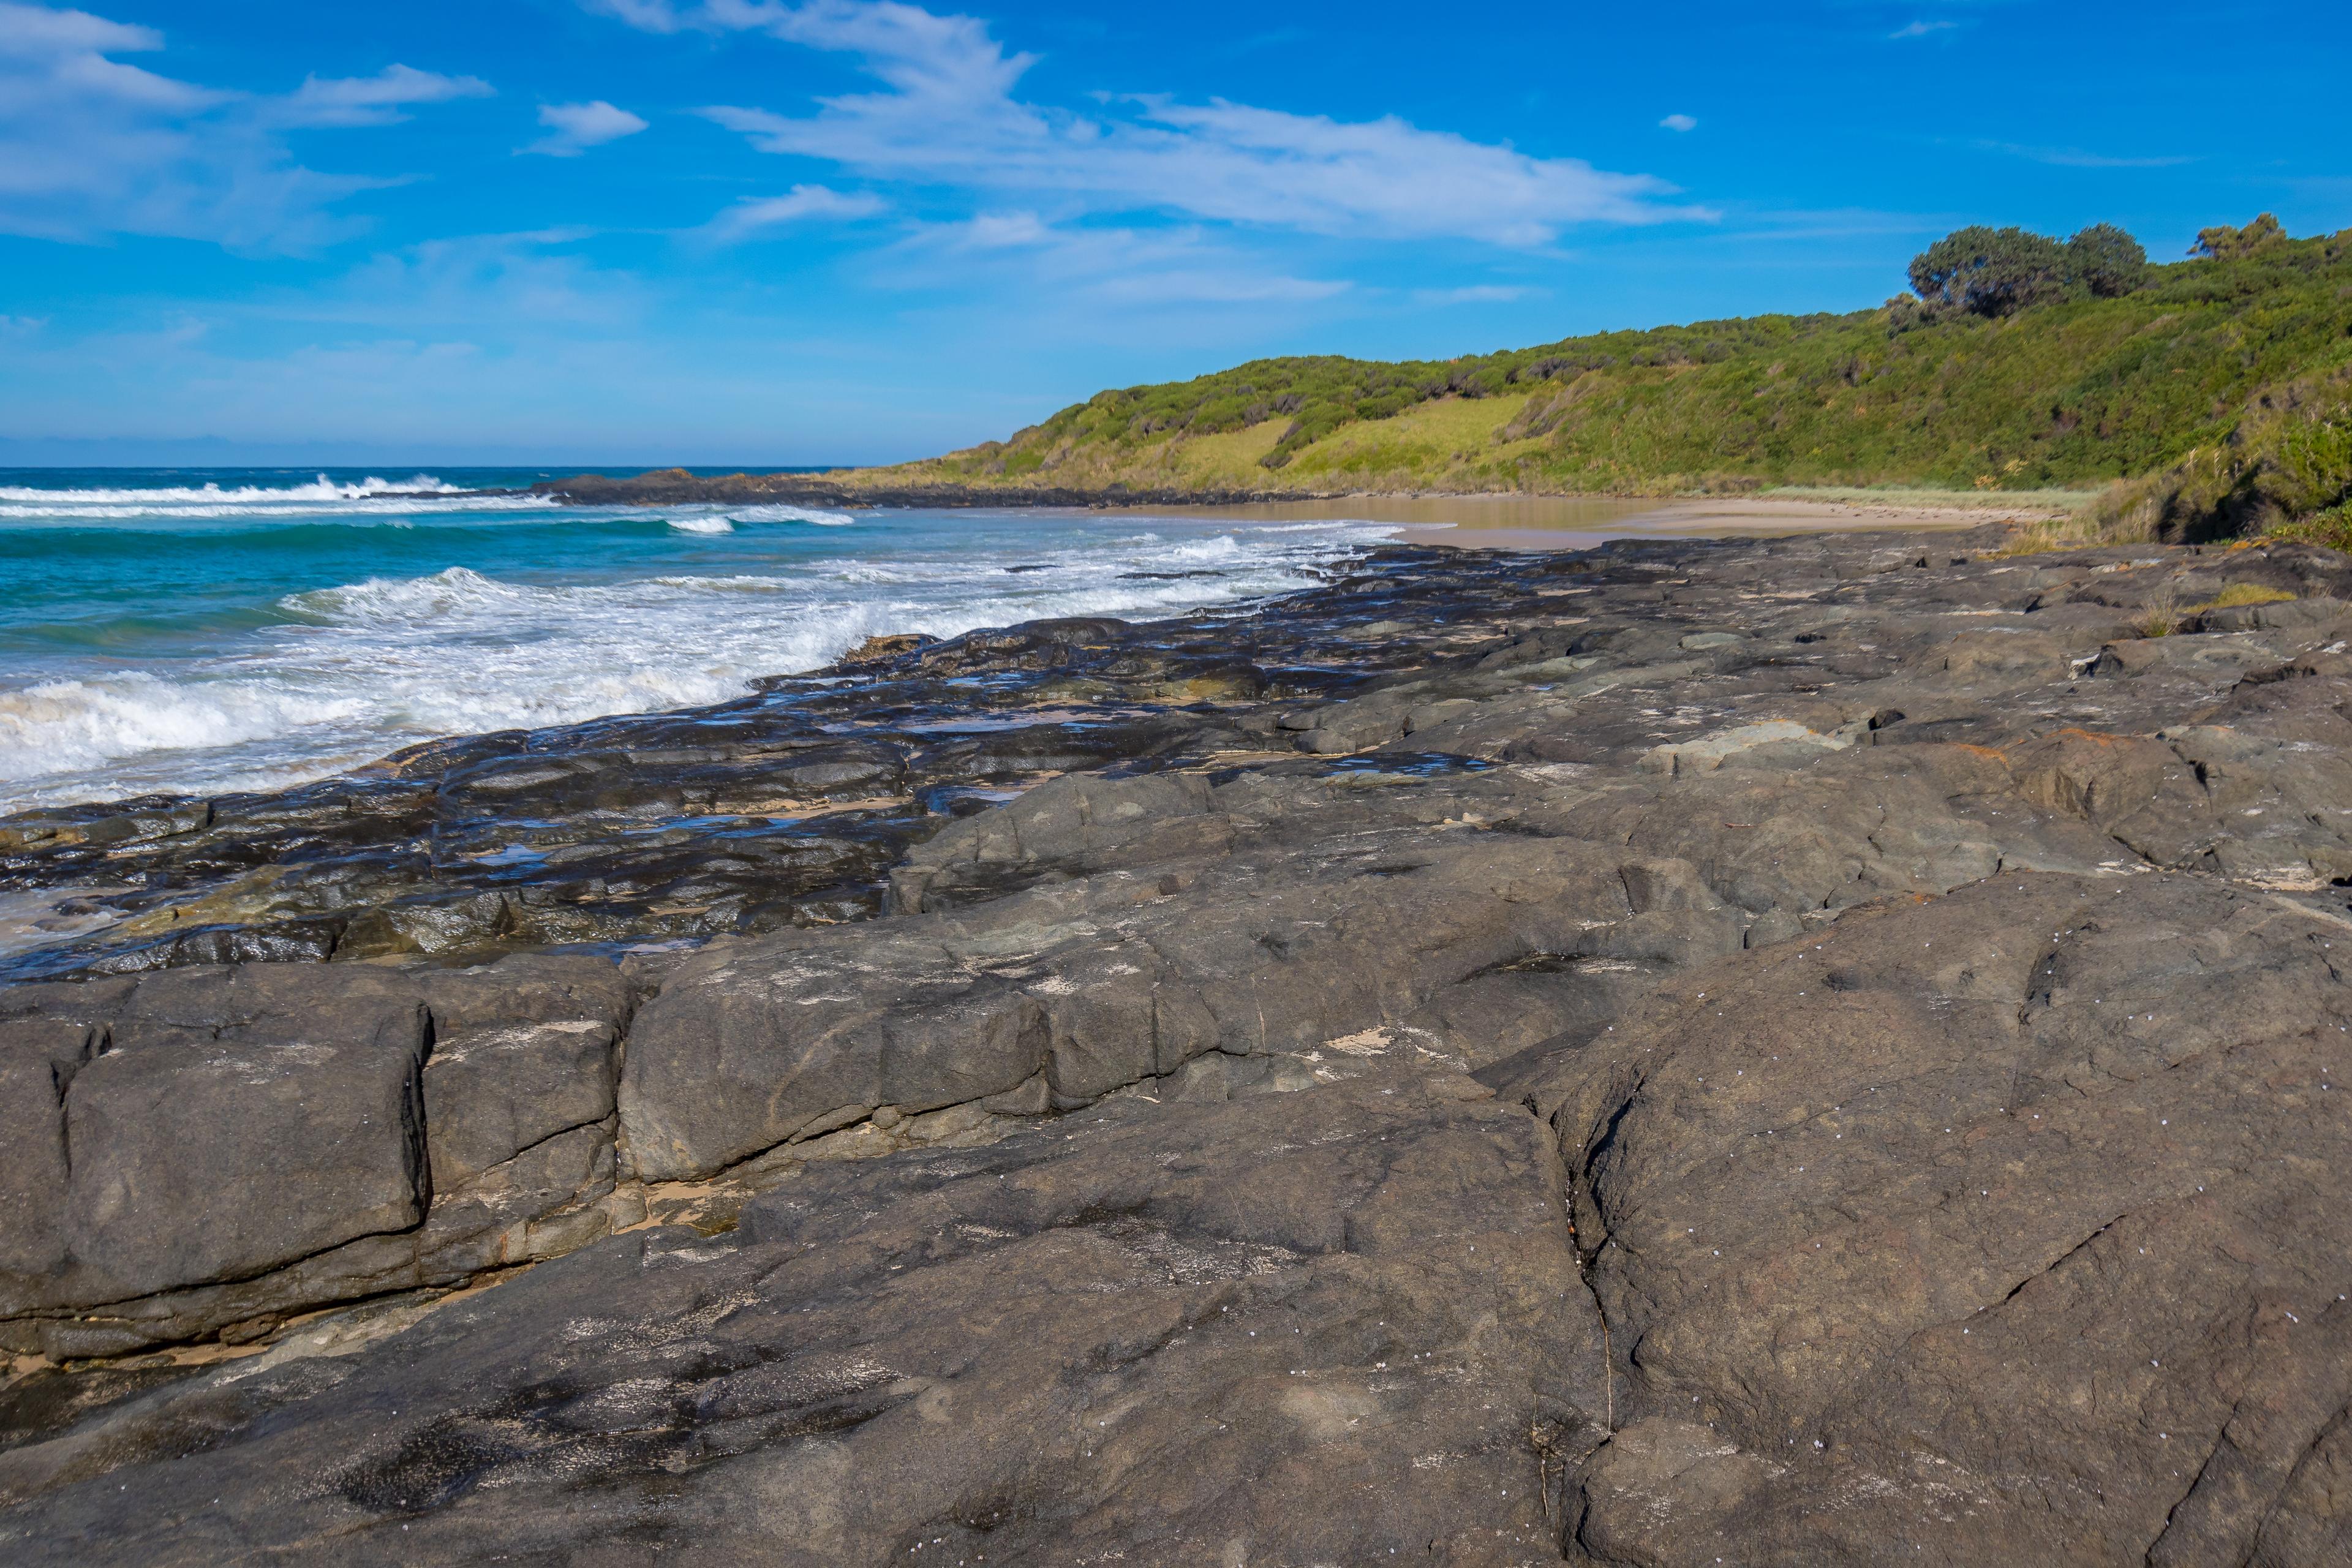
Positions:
{"x": 1990, "y": 271}
{"x": 2161, "y": 614}
{"x": 2332, "y": 528}
{"x": 2000, "y": 271}
{"x": 1905, "y": 312}
{"x": 2315, "y": 465}
{"x": 2222, "y": 242}
{"x": 2284, "y": 462}
{"x": 2106, "y": 260}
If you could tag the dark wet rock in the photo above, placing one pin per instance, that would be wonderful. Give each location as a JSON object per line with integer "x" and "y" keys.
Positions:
{"x": 1808, "y": 1051}
{"x": 673, "y": 487}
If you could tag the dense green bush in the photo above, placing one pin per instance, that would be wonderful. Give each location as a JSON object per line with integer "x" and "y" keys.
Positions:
{"x": 1990, "y": 271}
{"x": 2315, "y": 465}
{"x": 2000, "y": 271}
{"x": 2222, "y": 242}
{"x": 2283, "y": 465}
{"x": 2106, "y": 260}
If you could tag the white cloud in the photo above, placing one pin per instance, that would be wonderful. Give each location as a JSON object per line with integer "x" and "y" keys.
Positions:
{"x": 370, "y": 100}
{"x": 802, "y": 203}
{"x": 34, "y": 30}
{"x": 1214, "y": 286}
{"x": 1118, "y": 267}
{"x": 576, "y": 126}
{"x": 997, "y": 231}
{"x": 651, "y": 15}
{"x": 90, "y": 146}
{"x": 1923, "y": 29}
{"x": 1678, "y": 122}
{"x": 950, "y": 115}
{"x": 2075, "y": 158}
{"x": 1476, "y": 294}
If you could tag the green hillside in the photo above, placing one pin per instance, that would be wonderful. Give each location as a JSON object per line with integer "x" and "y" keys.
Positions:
{"x": 2233, "y": 368}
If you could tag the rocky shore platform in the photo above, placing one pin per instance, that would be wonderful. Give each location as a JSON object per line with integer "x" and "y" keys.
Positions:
{"x": 1800, "y": 1052}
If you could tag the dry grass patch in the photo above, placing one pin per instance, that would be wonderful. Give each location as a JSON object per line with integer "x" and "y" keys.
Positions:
{"x": 2238, "y": 593}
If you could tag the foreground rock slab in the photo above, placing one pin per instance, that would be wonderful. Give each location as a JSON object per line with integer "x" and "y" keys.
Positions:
{"x": 2009, "y": 1226}
{"x": 1349, "y": 1322}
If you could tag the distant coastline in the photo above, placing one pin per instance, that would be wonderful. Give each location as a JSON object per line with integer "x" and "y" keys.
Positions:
{"x": 854, "y": 488}
{"x": 1452, "y": 519}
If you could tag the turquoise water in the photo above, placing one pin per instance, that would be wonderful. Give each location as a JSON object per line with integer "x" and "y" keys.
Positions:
{"x": 223, "y": 629}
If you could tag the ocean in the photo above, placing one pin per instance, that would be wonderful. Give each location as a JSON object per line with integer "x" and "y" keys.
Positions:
{"x": 211, "y": 630}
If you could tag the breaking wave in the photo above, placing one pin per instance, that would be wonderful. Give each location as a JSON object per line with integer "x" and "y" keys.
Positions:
{"x": 778, "y": 512}
{"x": 541, "y": 626}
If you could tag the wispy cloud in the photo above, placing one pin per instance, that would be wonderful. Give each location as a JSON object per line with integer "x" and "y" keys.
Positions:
{"x": 1678, "y": 122}
{"x": 994, "y": 231}
{"x": 1477, "y": 294}
{"x": 376, "y": 100}
{"x": 1922, "y": 30}
{"x": 481, "y": 286}
{"x": 1843, "y": 224}
{"x": 651, "y": 15}
{"x": 951, "y": 115}
{"x": 2075, "y": 158}
{"x": 800, "y": 204}
{"x": 91, "y": 146}
{"x": 574, "y": 128}
{"x": 1116, "y": 266}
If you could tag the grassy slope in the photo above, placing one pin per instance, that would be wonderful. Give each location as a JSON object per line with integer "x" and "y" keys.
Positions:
{"x": 2077, "y": 394}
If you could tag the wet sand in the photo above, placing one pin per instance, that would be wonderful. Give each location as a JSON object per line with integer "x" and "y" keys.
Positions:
{"x": 1575, "y": 522}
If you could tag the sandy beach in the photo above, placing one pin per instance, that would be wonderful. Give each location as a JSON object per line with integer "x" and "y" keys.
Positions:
{"x": 1576, "y": 522}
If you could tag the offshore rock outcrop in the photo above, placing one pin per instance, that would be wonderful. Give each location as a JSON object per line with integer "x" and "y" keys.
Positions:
{"x": 676, "y": 487}
{"x": 1810, "y": 1051}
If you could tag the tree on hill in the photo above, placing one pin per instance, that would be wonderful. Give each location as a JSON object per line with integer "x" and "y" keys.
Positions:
{"x": 2106, "y": 260}
{"x": 1990, "y": 271}
{"x": 2222, "y": 242}
{"x": 2000, "y": 271}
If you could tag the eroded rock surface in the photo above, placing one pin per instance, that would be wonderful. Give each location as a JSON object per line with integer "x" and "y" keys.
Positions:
{"x": 1800, "y": 1052}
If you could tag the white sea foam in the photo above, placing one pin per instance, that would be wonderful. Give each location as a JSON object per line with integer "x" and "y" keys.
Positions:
{"x": 318, "y": 489}
{"x": 778, "y": 512}
{"x": 702, "y": 525}
{"x": 369, "y": 666}
{"x": 366, "y": 499}
{"x": 370, "y": 508}
{"x": 72, "y": 727}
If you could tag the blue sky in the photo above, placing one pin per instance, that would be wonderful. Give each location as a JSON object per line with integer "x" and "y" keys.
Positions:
{"x": 628, "y": 231}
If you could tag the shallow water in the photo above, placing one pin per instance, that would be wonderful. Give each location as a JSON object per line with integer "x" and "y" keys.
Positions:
{"x": 203, "y": 631}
